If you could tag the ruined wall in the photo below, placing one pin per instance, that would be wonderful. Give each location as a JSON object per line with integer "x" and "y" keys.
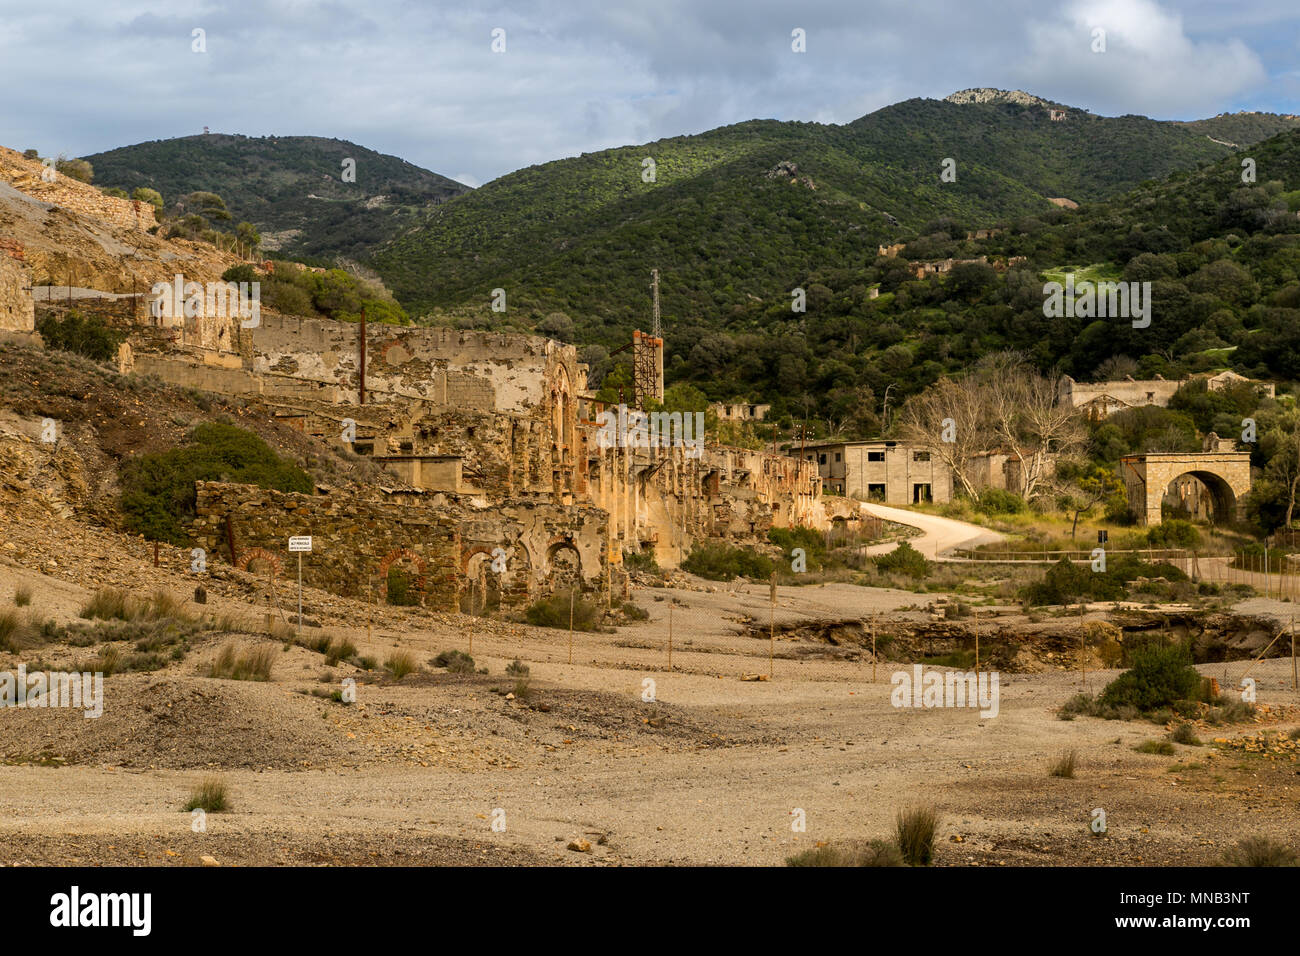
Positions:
{"x": 483, "y": 371}
{"x": 664, "y": 500}
{"x": 1108, "y": 396}
{"x": 444, "y": 541}
{"x": 25, "y": 175}
{"x": 17, "y": 313}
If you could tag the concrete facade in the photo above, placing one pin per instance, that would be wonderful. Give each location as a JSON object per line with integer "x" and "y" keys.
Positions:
{"x": 891, "y": 472}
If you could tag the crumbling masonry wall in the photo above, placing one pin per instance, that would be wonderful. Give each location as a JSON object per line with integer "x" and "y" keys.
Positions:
{"x": 446, "y": 542}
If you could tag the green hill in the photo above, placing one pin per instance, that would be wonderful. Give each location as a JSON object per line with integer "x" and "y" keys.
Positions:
{"x": 725, "y": 225}
{"x": 1222, "y": 256}
{"x": 290, "y": 187}
{"x": 1243, "y": 129}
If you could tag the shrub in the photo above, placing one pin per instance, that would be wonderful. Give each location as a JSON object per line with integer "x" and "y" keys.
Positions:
{"x": 643, "y": 561}
{"x": 634, "y": 613}
{"x": 1161, "y": 747}
{"x": 158, "y": 494}
{"x": 209, "y": 796}
{"x": 875, "y": 853}
{"x": 514, "y": 669}
{"x": 151, "y": 196}
{"x": 86, "y": 335}
{"x": 1157, "y": 677}
{"x": 1174, "y": 533}
{"x": 996, "y": 501}
{"x": 254, "y": 664}
{"x": 1183, "y": 734}
{"x": 109, "y": 604}
{"x": 904, "y": 559}
{"x": 1064, "y": 767}
{"x": 108, "y": 662}
{"x": 811, "y": 540}
{"x": 722, "y": 562}
{"x": 78, "y": 169}
{"x": 400, "y": 663}
{"x": 22, "y": 596}
{"x": 9, "y": 628}
{"x": 553, "y": 611}
{"x": 456, "y": 662}
{"x": 339, "y": 650}
{"x": 914, "y": 832}
{"x": 1261, "y": 851}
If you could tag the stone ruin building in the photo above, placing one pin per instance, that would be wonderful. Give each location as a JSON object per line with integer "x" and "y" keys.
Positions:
{"x": 492, "y": 441}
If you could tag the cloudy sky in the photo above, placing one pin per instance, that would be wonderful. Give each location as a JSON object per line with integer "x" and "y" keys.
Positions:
{"x": 421, "y": 79}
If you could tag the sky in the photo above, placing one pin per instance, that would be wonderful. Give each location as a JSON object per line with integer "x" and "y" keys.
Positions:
{"x": 422, "y": 80}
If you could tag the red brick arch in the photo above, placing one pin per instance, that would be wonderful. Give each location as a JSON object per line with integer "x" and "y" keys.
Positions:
{"x": 252, "y": 554}
{"x": 396, "y": 555}
{"x": 467, "y": 555}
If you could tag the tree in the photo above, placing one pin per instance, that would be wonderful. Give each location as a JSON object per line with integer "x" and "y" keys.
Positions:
{"x": 248, "y": 235}
{"x": 151, "y": 196}
{"x": 1081, "y": 489}
{"x": 950, "y": 417}
{"x": 1026, "y": 418}
{"x": 77, "y": 169}
{"x": 558, "y": 326}
{"x": 1280, "y": 443}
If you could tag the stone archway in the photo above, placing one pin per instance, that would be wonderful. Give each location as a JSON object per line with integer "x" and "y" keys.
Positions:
{"x": 1224, "y": 475}
{"x": 563, "y": 566}
{"x": 481, "y": 586}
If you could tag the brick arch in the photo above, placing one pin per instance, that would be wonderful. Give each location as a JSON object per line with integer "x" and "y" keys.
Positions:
{"x": 555, "y": 546}
{"x": 466, "y": 556}
{"x": 252, "y": 554}
{"x": 396, "y": 555}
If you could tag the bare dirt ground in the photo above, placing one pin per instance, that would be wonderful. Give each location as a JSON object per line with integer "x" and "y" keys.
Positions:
{"x": 714, "y": 770}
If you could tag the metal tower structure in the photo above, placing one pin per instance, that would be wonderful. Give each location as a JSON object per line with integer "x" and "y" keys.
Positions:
{"x": 648, "y": 355}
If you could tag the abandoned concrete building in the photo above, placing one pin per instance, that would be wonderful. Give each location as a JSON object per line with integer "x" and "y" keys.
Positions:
{"x": 492, "y": 443}
{"x": 740, "y": 411}
{"x": 890, "y": 472}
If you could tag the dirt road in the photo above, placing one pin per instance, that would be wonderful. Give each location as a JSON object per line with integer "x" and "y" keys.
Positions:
{"x": 938, "y": 535}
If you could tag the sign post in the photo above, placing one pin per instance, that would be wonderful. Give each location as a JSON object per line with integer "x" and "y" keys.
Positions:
{"x": 298, "y": 544}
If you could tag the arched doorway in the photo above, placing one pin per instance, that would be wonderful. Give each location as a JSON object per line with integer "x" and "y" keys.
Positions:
{"x": 481, "y": 593}
{"x": 564, "y": 567}
{"x": 401, "y": 576}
